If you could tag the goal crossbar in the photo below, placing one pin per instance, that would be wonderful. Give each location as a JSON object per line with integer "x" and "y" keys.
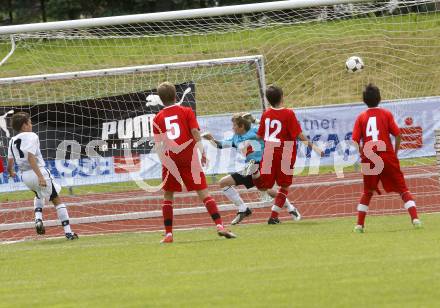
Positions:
{"x": 167, "y": 16}
{"x": 257, "y": 59}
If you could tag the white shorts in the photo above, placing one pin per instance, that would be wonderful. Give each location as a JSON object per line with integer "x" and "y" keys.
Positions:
{"x": 49, "y": 192}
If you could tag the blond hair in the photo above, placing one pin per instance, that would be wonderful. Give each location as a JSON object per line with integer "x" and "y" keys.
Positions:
{"x": 244, "y": 119}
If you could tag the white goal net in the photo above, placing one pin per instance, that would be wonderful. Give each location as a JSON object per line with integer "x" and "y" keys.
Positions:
{"x": 304, "y": 46}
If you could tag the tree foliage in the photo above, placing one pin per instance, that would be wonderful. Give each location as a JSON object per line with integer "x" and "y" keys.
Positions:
{"x": 30, "y": 11}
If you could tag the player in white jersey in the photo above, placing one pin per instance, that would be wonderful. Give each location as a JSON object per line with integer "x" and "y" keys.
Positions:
{"x": 24, "y": 149}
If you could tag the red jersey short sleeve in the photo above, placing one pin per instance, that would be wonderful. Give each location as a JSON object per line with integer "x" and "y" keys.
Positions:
{"x": 156, "y": 129}
{"x": 261, "y": 128}
{"x": 394, "y": 129}
{"x": 294, "y": 128}
{"x": 357, "y": 133}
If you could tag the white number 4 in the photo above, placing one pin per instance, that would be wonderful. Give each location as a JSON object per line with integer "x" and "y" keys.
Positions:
{"x": 372, "y": 129}
{"x": 173, "y": 129}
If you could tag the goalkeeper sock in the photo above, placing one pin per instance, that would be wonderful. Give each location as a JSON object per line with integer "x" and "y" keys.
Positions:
{"x": 63, "y": 216}
{"x": 211, "y": 206}
{"x": 167, "y": 212}
{"x": 232, "y": 194}
{"x": 362, "y": 213}
{"x": 280, "y": 199}
{"x": 38, "y": 208}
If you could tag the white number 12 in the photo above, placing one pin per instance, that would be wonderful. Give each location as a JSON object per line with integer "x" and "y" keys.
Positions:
{"x": 272, "y": 124}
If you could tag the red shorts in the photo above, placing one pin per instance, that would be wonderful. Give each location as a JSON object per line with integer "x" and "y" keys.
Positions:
{"x": 275, "y": 174}
{"x": 391, "y": 176}
{"x": 193, "y": 179}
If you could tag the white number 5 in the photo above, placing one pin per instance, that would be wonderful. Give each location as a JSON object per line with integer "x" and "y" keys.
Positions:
{"x": 372, "y": 129}
{"x": 173, "y": 129}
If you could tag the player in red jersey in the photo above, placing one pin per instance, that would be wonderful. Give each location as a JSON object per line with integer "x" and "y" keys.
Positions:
{"x": 176, "y": 133}
{"x": 279, "y": 129}
{"x": 379, "y": 159}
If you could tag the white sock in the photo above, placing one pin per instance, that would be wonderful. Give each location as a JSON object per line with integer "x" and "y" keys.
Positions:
{"x": 38, "y": 208}
{"x": 235, "y": 198}
{"x": 275, "y": 208}
{"x": 289, "y": 205}
{"x": 63, "y": 216}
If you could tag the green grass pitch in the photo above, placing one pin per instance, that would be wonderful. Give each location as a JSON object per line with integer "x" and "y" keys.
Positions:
{"x": 314, "y": 263}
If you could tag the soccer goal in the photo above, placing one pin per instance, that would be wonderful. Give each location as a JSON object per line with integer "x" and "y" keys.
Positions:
{"x": 79, "y": 73}
{"x": 100, "y": 147}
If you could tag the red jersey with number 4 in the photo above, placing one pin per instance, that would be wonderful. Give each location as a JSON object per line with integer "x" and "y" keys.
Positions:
{"x": 375, "y": 124}
{"x": 279, "y": 125}
{"x": 172, "y": 125}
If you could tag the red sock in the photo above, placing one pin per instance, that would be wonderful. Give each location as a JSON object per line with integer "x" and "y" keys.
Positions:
{"x": 211, "y": 206}
{"x": 361, "y": 218}
{"x": 410, "y": 205}
{"x": 413, "y": 212}
{"x": 280, "y": 199}
{"x": 167, "y": 212}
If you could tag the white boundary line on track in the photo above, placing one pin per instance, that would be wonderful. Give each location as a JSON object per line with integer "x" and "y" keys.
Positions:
{"x": 125, "y": 216}
{"x": 156, "y": 231}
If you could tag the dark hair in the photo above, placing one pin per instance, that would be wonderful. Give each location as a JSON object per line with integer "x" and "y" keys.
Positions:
{"x": 19, "y": 119}
{"x": 167, "y": 93}
{"x": 274, "y": 95}
{"x": 371, "y": 95}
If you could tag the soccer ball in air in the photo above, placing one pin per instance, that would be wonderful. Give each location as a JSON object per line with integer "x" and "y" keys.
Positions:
{"x": 354, "y": 64}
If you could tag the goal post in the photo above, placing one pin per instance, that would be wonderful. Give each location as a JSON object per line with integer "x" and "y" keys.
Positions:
{"x": 97, "y": 77}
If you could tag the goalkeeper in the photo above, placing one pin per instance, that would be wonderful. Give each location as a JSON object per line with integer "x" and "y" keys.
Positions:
{"x": 245, "y": 140}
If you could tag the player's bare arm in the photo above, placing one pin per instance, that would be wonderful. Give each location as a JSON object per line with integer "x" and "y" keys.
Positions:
{"x": 397, "y": 144}
{"x": 11, "y": 170}
{"x": 198, "y": 139}
{"x": 33, "y": 163}
{"x": 311, "y": 145}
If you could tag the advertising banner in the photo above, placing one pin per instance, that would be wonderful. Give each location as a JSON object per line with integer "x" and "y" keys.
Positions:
{"x": 329, "y": 126}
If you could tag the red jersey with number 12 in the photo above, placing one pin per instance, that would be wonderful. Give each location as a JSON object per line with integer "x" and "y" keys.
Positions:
{"x": 174, "y": 123}
{"x": 279, "y": 125}
{"x": 375, "y": 124}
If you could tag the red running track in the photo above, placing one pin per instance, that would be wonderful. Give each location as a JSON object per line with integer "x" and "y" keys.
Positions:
{"x": 316, "y": 197}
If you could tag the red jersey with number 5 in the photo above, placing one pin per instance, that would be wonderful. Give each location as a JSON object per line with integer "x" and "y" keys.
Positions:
{"x": 375, "y": 124}
{"x": 279, "y": 125}
{"x": 172, "y": 125}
